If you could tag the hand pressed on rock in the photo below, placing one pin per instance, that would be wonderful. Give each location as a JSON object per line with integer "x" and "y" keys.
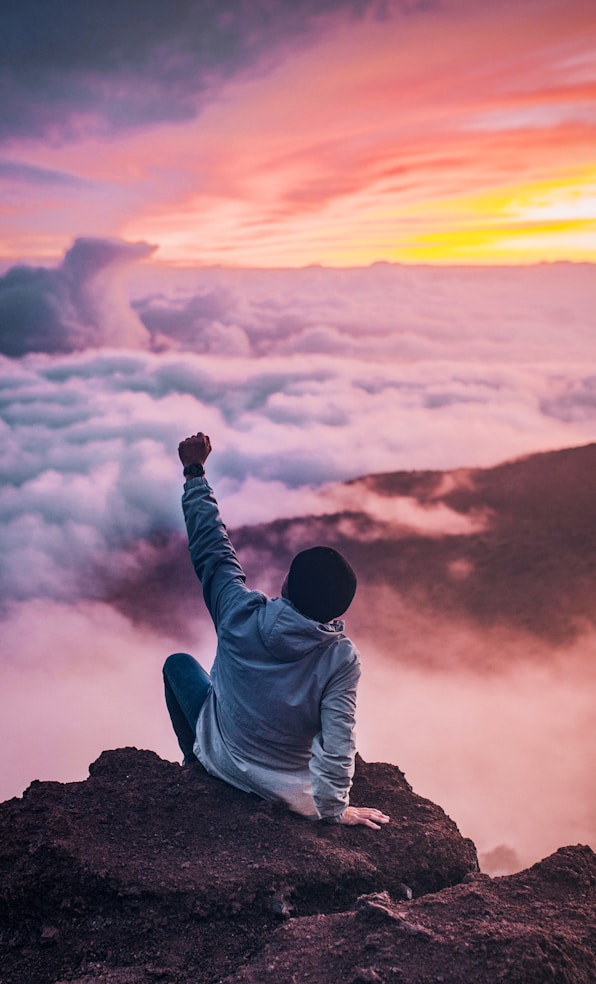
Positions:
{"x": 365, "y": 816}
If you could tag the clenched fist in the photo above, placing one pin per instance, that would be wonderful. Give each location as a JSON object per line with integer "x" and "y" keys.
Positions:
{"x": 194, "y": 450}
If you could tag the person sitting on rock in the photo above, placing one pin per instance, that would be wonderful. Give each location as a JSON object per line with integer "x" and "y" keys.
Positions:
{"x": 276, "y": 716}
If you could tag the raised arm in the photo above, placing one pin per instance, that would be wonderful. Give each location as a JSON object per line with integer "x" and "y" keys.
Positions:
{"x": 212, "y": 554}
{"x": 193, "y": 453}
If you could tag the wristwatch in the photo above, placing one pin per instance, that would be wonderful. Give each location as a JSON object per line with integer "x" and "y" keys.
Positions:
{"x": 195, "y": 470}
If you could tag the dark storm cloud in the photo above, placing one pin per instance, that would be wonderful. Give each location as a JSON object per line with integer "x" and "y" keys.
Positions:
{"x": 75, "y": 306}
{"x": 137, "y": 62}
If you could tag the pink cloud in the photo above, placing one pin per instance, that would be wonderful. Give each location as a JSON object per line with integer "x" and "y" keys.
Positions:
{"x": 509, "y": 758}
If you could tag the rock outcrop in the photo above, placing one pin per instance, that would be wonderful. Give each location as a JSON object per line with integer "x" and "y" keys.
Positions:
{"x": 151, "y": 872}
{"x": 530, "y": 928}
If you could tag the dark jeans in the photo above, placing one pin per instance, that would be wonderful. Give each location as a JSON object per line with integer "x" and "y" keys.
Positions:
{"x": 186, "y": 686}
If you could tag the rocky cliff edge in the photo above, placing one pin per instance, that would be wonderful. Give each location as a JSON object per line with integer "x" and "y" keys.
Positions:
{"x": 150, "y": 872}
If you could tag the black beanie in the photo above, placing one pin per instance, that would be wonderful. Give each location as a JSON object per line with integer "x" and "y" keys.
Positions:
{"x": 321, "y": 583}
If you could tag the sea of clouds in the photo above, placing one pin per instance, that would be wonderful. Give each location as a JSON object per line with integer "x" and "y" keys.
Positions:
{"x": 303, "y": 378}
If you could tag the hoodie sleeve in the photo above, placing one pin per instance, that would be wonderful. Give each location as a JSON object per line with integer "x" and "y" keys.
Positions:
{"x": 334, "y": 747}
{"x": 213, "y": 556}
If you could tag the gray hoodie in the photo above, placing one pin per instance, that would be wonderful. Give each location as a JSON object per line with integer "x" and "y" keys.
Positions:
{"x": 279, "y": 719}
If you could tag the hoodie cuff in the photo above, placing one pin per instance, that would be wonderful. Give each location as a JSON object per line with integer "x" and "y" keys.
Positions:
{"x": 192, "y": 483}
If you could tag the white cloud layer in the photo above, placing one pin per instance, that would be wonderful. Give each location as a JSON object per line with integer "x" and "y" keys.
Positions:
{"x": 303, "y": 379}
{"x": 88, "y": 457}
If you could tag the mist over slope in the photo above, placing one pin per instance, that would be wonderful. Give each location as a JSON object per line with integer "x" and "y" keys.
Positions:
{"x": 475, "y": 617}
{"x": 512, "y": 547}
{"x": 506, "y": 550}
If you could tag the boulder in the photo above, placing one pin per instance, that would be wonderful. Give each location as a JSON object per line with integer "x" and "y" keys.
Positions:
{"x": 534, "y": 927}
{"x": 147, "y": 869}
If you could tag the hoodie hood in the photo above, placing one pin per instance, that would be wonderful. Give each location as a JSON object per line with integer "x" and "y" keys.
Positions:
{"x": 290, "y": 636}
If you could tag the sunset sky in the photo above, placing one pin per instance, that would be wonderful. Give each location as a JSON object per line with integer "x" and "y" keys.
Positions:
{"x": 290, "y": 133}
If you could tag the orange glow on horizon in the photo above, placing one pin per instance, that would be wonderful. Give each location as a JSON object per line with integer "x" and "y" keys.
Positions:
{"x": 545, "y": 221}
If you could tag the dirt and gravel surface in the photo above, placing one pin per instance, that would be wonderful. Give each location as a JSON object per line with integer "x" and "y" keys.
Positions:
{"x": 150, "y": 872}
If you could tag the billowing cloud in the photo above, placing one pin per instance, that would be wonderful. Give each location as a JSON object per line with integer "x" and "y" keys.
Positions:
{"x": 401, "y": 376}
{"x": 142, "y": 61}
{"x": 385, "y": 312}
{"x": 473, "y": 585}
{"x": 78, "y": 305}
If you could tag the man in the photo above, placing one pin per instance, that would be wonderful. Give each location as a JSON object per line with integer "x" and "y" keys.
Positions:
{"x": 276, "y": 717}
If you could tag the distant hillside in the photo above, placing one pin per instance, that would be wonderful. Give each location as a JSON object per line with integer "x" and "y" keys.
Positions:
{"x": 529, "y": 560}
{"x": 508, "y": 549}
